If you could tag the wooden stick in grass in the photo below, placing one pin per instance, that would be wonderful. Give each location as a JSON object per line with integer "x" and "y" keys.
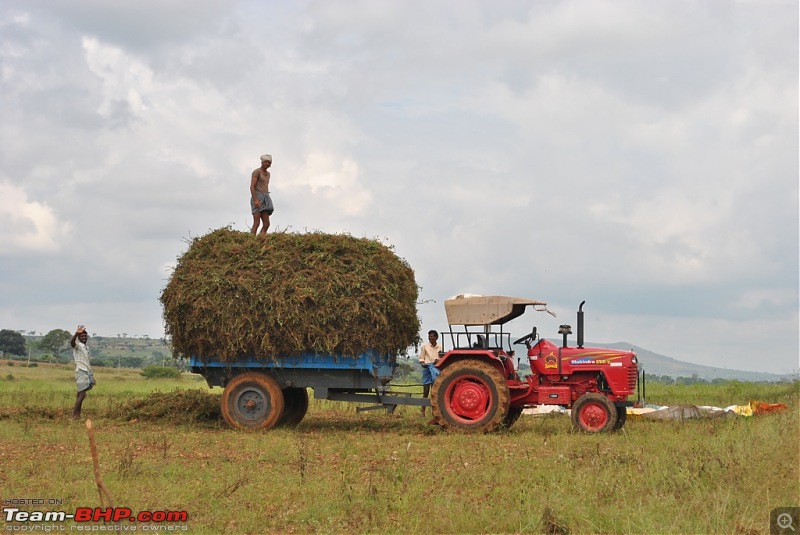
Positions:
{"x": 101, "y": 488}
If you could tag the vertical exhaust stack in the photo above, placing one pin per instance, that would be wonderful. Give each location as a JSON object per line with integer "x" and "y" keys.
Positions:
{"x": 580, "y": 325}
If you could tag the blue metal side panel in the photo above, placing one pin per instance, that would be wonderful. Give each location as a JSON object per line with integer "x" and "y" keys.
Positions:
{"x": 373, "y": 362}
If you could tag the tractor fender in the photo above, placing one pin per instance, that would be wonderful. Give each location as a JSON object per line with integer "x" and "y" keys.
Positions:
{"x": 457, "y": 355}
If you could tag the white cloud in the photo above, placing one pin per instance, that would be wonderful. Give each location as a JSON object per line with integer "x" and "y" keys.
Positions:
{"x": 124, "y": 78}
{"x": 28, "y": 225}
{"x": 335, "y": 180}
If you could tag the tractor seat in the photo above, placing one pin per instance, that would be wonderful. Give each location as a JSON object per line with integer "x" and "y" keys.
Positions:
{"x": 480, "y": 343}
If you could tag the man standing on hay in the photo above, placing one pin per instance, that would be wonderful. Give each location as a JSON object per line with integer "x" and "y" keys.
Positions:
{"x": 428, "y": 356}
{"x": 260, "y": 201}
{"x": 83, "y": 370}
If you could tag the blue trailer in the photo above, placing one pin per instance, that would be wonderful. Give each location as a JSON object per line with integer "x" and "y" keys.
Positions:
{"x": 260, "y": 394}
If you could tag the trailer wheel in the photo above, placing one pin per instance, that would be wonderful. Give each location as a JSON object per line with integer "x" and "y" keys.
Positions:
{"x": 295, "y": 406}
{"x": 594, "y": 413}
{"x": 470, "y": 395}
{"x": 622, "y": 416}
{"x": 513, "y": 415}
{"x": 252, "y": 401}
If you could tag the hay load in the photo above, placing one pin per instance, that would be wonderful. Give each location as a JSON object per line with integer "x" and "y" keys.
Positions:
{"x": 234, "y": 295}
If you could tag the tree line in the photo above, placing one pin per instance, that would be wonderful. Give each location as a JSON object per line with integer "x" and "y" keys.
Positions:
{"x": 112, "y": 352}
{"x": 13, "y": 343}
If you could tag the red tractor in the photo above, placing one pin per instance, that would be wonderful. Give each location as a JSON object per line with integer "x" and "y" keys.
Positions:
{"x": 479, "y": 388}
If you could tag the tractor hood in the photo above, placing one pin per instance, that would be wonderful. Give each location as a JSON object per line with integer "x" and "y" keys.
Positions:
{"x": 466, "y": 309}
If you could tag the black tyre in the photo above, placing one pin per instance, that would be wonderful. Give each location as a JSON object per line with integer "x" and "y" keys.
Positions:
{"x": 513, "y": 415}
{"x": 594, "y": 413}
{"x": 295, "y": 406}
{"x": 622, "y": 416}
{"x": 252, "y": 401}
{"x": 470, "y": 395}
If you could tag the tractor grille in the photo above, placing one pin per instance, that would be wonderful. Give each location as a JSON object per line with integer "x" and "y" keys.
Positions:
{"x": 633, "y": 375}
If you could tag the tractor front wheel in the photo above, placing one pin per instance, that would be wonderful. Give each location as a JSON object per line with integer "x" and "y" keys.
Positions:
{"x": 594, "y": 413}
{"x": 252, "y": 401}
{"x": 470, "y": 395}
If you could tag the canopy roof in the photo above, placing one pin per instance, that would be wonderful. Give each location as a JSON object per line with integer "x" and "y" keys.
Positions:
{"x": 486, "y": 309}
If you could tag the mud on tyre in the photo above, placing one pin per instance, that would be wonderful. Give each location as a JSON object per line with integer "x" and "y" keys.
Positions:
{"x": 252, "y": 401}
{"x": 470, "y": 395}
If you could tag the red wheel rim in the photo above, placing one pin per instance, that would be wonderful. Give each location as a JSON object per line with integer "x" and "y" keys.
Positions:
{"x": 593, "y": 416}
{"x": 468, "y": 398}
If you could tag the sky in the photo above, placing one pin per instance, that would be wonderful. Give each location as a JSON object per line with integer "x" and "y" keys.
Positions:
{"x": 641, "y": 156}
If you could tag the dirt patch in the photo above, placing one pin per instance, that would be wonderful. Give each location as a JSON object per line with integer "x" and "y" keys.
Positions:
{"x": 45, "y": 413}
{"x": 178, "y": 406}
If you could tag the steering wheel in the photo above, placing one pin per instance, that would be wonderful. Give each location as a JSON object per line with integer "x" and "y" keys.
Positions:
{"x": 527, "y": 339}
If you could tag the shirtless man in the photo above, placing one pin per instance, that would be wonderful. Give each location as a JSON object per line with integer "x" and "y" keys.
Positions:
{"x": 260, "y": 201}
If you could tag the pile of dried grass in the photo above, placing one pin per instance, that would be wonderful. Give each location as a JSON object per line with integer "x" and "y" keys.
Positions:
{"x": 233, "y": 294}
{"x": 178, "y": 406}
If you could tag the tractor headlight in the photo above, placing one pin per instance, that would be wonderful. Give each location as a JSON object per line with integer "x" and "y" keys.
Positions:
{"x": 634, "y": 359}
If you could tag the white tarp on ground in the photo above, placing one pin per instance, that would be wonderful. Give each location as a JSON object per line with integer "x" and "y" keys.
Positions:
{"x": 682, "y": 412}
{"x": 678, "y": 412}
{"x": 546, "y": 409}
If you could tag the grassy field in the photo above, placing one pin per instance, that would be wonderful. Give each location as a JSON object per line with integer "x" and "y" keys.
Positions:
{"x": 347, "y": 472}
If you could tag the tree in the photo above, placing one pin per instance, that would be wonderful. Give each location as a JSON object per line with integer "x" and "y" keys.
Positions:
{"x": 11, "y": 342}
{"x": 55, "y": 341}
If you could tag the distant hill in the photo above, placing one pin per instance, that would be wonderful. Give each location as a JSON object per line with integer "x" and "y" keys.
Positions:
{"x": 655, "y": 364}
{"x": 120, "y": 351}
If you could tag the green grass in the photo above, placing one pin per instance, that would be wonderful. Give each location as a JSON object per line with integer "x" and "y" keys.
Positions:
{"x": 347, "y": 472}
{"x": 722, "y": 395}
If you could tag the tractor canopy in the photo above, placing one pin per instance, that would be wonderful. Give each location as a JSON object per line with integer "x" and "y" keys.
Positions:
{"x": 468, "y": 309}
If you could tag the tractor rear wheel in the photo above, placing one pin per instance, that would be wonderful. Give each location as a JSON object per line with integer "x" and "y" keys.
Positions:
{"x": 252, "y": 401}
{"x": 470, "y": 395}
{"x": 594, "y": 413}
{"x": 295, "y": 406}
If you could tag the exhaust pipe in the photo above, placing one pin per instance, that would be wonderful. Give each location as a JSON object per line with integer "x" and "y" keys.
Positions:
{"x": 580, "y": 325}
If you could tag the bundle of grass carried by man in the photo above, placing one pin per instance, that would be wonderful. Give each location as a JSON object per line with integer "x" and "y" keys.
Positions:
{"x": 234, "y": 295}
